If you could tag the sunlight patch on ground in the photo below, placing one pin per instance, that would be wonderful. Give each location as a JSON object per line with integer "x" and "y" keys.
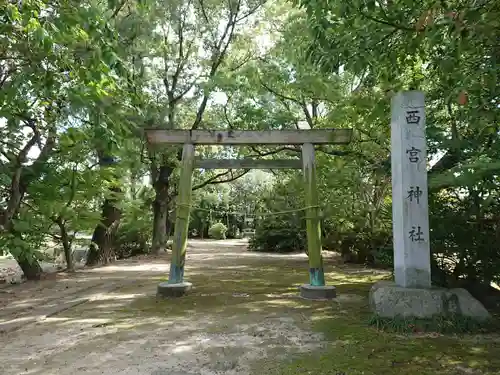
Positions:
{"x": 115, "y": 296}
{"x": 157, "y": 267}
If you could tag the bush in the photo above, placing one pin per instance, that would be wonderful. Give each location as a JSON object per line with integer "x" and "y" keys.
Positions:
{"x": 278, "y": 235}
{"x": 363, "y": 246}
{"x": 134, "y": 232}
{"x": 131, "y": 241}
{"x": 384, "y": 256}
{"x": 217, "y": 231}
{"x": 465, "y": 232}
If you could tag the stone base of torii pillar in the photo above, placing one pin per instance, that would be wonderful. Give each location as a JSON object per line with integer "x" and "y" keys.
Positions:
{"x": 324, "y": 292}
{"x": 412, "y": 295}
{"x": 166, "y": 290}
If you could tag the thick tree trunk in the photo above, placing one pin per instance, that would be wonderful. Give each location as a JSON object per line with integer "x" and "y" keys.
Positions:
{"x": 101, "y": 250}
{"x": 160, "y": 213}
{"x": 169, "y": 227}
{"x": 70, "y": 266}
{"x": 31, "y": 268}
{"x": 160, "y": 208}
{"x": 202, "y": 230}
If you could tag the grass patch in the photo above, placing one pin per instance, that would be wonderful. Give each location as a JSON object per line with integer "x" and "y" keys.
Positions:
{"x": 245, "y": 290}
{"x": 439, "y": 324}
{"x": 355, "y": 347}
{"x": 257, "y": 289}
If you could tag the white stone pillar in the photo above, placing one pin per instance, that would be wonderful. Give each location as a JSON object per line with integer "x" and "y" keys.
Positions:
{"x": 410, "y": 211}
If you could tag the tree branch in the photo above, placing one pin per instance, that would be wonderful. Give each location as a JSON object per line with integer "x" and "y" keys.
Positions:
{"x": 282, "y": 96}
{"x": 358, "y": 154}
{"x": 386, "y": 22}
{"x": 214, "y": 180}
{"x": 273, "y": 152}
{"x": 72, "y": 186}
{"x": 188, "y": 87}
{"x": 249, "y": 13}
{"x": 446, "y": 162}
{"x": 246, "y": 59}
{"x": 6, "y": 155}
{"x": 315, "y": 109}
{"x": 117, "y": 10}
{"x": 309, "y": 118}
{"x": 166, "y": 68}
{"x": 182, "y": 58}
{"x": 219, "y": 53}
{"x": 454, "y": 127}
{"x": 345, "y": 153}
{"x": 205, "y": 16}
{"x": 35, "y": 139}
{"x": 226, "y": 115}
{"x": 205, "y": 183}
{"x": 54, "y": 236}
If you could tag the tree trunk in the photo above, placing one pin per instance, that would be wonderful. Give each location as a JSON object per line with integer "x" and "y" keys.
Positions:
{"x": 66, "y": 242}
{"x": 31, "y": 268}
{"x": 160, "y": 213}
{"x": 70, "y": 267}
{"x": 27, "y": 261}
{"x": 101, "y": 250}
{"x": 160, "y": 208}
{"x": 169, "y": 226}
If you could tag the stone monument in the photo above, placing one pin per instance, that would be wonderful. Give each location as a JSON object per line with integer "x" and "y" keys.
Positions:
{"x": 412, "y": 293}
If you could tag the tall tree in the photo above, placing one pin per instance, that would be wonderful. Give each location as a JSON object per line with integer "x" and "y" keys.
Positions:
{"x": 191, "y": 42}
{"x": 55, "y": 60}
{"x": 114, "y": 124}
{"x": 450, "y": 51}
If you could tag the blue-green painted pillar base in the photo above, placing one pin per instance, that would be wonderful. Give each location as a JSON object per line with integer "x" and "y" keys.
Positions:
{"x": 316, "y": 276}
{"x": 176, "y": 274}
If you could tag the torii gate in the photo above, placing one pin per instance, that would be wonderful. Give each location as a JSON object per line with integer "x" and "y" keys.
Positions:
{"x": 307, "y": 138}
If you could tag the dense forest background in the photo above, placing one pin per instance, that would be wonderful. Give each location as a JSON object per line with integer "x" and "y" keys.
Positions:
{"x": 80, "y": 80}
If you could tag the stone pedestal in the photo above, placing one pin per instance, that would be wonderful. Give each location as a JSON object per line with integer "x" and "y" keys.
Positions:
{"x": 389, "y": 300}
{"x": 308, "y": 291}
{"x": 166, "y": 290}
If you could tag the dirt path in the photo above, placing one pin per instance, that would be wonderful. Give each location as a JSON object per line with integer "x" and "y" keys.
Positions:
{"x": 243, "y": 312}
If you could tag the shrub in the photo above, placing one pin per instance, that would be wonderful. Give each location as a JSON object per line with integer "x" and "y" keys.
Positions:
{"x": 131, "y": 241}
{"x": 464, "y": 237}
{"x": 278, "y": 235}
{"x": 134, "y": 232}
{"x": 384, "y": 256}
{"x": 364, "y": 246}
{"x": 217, "y": 231}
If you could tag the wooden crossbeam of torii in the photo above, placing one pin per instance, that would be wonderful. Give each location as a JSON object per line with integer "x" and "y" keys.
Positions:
{"x": 307, "y": 138}
{"x": 249, "y": 137}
